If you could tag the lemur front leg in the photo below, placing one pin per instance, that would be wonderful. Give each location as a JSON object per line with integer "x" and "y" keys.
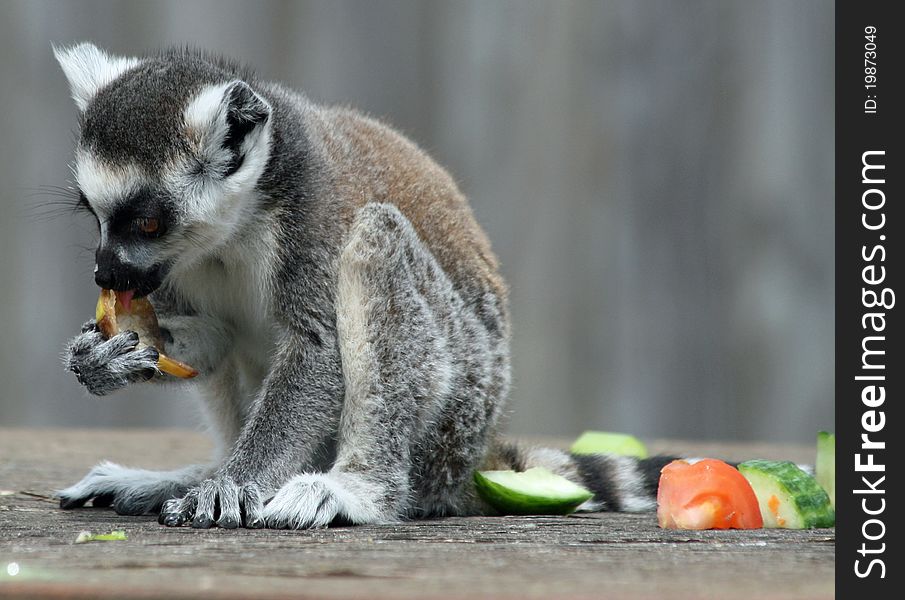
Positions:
{"x": 293, "y": 413}
{"x": 397, "y": 369}
{"x": 105, "y": 365}
{"x": 394, "y": 304}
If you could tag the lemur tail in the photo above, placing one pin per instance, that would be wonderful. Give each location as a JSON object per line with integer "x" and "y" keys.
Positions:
{"x": 619, "y": 483}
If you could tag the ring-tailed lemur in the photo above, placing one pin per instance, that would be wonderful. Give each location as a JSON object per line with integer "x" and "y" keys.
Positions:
{"x": 330, "y": 283}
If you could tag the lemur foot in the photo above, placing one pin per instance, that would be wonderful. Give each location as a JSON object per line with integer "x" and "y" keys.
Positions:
{"x": 129, "y": 491}
{"x": 318, "y": 499}
{"x": 217, "y": 501}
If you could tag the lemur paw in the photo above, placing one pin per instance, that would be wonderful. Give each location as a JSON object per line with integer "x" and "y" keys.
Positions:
{"x": 129, "y": 491}
{"x": 217, "y": 501}
{"x": 318, "y": 499}
{"x": 104, "y": 366}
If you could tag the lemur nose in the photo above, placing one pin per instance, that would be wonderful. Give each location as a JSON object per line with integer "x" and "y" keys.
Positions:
{"x": 105, "y": 268}
{"x": 103, "y": 277}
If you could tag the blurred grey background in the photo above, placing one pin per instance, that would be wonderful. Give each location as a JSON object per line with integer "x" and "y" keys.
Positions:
{"x": 657, "y": 179}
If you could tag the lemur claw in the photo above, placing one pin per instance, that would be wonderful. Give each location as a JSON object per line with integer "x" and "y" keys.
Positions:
{"x": 218, "y": 501}
{"x": 202, "y": 522}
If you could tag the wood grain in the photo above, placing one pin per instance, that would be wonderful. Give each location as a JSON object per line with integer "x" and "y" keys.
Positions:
{"x": 581, "y": 556}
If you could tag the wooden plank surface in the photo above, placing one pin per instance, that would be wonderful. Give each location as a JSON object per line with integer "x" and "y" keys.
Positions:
{"x": 581, "y": 556}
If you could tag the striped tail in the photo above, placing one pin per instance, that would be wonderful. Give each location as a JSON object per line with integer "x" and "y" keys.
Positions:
{"x": 619, "y": 483}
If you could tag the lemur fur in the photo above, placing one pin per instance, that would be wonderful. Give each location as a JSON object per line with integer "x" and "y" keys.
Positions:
{"x": 329, "y": 281}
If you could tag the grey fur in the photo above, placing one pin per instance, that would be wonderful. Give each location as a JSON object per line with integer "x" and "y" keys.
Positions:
{"x": 131, "y": 491}
{"x": 162, "y": 85}
{"x": 104, "y": 366}
{"x": 325, "y": 277}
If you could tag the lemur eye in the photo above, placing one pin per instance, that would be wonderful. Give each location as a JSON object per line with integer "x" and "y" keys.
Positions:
{"x": 149, "y": 226}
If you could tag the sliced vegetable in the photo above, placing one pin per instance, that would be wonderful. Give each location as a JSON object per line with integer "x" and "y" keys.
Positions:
{"x": 826, "y": 464}
{"x": 709, "y": 494}
{"x": 536, "y": 491}
{"x": 789, "y": 498}
{"x": 113, "y": 536}
{"x": 119, "y": 311}
{"x": 605, "y": 442}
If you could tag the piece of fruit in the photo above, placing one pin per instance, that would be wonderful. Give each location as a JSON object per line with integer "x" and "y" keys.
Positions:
{"x": 113, "y": 536}
{"x": 826, "y": 464}
{"x": 119, "y": 311}
{"x": 789, "y": 498}
{"x": 536, "y": 491}
{"x": 709, "y": 494}
{"x": 605, "y": 442}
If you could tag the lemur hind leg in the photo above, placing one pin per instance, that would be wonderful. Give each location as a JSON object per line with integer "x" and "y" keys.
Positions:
{"x": 396, "y": 310}
{"x": 459, "y": 441}
{"x": 131, "y": 491}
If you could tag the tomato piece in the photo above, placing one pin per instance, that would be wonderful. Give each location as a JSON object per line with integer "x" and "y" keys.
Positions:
{"x": 709, "y": 494}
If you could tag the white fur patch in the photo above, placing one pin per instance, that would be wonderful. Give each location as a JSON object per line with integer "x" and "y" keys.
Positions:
{"x": 103, "y": 183}
{"x": 88, "y": 69}
{"x": 205, "y": 124}
{"x": 352, "y": 326}
{"x": 207, "y": 108}
{"x": 206, "y": 129}
{"x": 590, "y": 506}
{"x": 235, "y": 287}
{"x": 316, "y": 499}
{"x": 216, "y": 207}
{"x": 555, "y": 460}
{"x": 630, "y": 485}
{"x": 124, "y": 482}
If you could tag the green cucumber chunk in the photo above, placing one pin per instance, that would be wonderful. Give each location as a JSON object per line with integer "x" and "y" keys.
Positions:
{"x": 826, "y": 463}
{"x": 605, "y": 442}
{"x": 536, "y": 491}
{"x": 788, "y": 497}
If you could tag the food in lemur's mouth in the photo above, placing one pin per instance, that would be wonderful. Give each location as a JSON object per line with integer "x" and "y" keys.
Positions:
{"x": 119, "y": 311}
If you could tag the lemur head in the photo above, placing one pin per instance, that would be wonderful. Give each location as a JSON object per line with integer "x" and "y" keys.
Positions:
{"x": 170, "y": 149}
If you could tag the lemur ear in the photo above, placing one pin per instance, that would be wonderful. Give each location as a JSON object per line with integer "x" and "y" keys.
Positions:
{"x": 88, "y": 69}
{"x": 226, "y": 121}
{"x": 245, "y": 112}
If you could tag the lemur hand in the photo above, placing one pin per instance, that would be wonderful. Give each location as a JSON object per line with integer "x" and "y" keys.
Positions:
{"x": 104, "y": 366}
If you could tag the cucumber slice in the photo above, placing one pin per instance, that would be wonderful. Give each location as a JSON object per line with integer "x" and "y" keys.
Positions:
{"x": 788, "y": 497}
{"x": 826, "y": 464}
{"x": 605, "y": 442}
{"x": 536, "y": 491}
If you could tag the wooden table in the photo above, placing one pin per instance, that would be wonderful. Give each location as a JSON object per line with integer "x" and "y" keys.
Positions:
{"x": 582, "y": 556}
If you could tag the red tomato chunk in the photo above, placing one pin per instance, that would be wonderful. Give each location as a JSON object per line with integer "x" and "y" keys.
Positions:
{"x": 708, "y": 494}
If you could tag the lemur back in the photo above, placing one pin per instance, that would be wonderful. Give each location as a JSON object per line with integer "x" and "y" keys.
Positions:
{"x": 328, "y": 280}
